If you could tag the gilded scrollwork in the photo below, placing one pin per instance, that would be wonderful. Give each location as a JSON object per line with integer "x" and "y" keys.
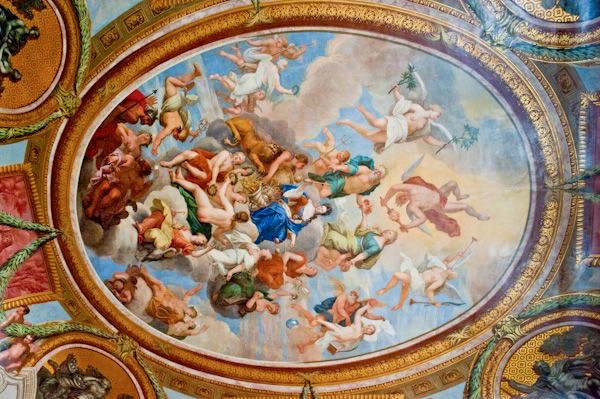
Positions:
{"x": 503, "y": 28}
{"x": 552, "y": 314}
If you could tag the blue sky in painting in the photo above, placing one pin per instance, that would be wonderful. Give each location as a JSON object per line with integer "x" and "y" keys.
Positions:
{"x": 452, "y": 393}
{"x": 45, "y": 312}
{"x": 589, "y": 77}
{"x": 171, "y": 394}
{"x": 13, "y": 153}
{"x": 412, "y": 320}
{"x": 291, "y": 77}
{"x": 102, "y": 12}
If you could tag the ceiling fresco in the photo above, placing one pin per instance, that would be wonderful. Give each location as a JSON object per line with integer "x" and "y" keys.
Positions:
{"x": 283, "y": 199}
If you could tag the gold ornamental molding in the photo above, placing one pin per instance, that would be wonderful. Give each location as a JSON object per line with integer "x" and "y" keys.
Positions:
{"x": 18, "y": 123}
{"x": 149, "y": 17}
{"x": 48, "y": 251}
{"x": 588, "y": 100}
{"x": 73, "y": 340}
{"x": 334, "y": 14}
{"x": 517, "y": 339}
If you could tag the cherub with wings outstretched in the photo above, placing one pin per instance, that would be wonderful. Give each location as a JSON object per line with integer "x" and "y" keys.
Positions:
{"x": 409, "y": 120}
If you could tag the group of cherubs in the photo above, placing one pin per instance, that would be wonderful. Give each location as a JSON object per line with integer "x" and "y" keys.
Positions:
{"x": 260, "y": 192}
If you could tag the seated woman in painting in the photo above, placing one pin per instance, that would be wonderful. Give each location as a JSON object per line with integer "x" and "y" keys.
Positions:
{"x": 284, "y": 219}
{"x": 272, "y": 272}
{"x": 360, "y": 248}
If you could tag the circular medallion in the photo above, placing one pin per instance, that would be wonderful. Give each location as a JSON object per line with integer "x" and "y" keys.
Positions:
{"x": 36, "y": 60}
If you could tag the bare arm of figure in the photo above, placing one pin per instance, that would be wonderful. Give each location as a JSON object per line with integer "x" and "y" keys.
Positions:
{"x": 287, "y": 256}
{"x": 256, "y": 296}
{"x": 396, "y": 92}
{"x": 395, "y": 189}
{"x": 216, "y": 167}
{"x": 358, "y": 258}
{"x": 218, "y": 235}
{"x": 9, "y": 320}
{"x": 256, "y": 43}
{"x": 239, "y": 268}
{"x": 363, "y": 214}
{"x": 277, "y": 86}
{"x": 371, "y": 316}
{"x": 200, "y": 174}
{"x": 154, "y": 283}
{"x": 292, "y": 239}
{"x": 330, "y": 326}
{"x": 419, "y": 219}
{"x": 285, "y": 156}
{"x": 336, "y": 168}
{"x": 201, "y": 252}
{"x": 294, "y": 52}
{"x": 192, "y": 291}
{"x": 359, "y": 313}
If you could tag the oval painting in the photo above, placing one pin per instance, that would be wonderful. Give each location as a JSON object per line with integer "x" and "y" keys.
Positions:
{"x": 305, "y": 196}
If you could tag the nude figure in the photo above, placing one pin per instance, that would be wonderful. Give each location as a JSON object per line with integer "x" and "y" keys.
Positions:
{"x": 258, "y": 303}
{"x": 223, "y": 162}
{"x": 427, "y": 202}
{"x": 328, "y": 153}
{"x": 174, "y": 117}
{"x": 223, "y": 219}
{"x": 409, "y": 121}
{"x": 353, "y": 333}
{"x": 162, "y": 305}
{"x": 426, "y": 283}
{"x": 266, "y": 78}
{"x": 276, "y": 46}
{"x": 13, "y": 358}
{"x": 342, "y": 310}
{"x": 17, "y": 317}
{"x": 132, "y": 143}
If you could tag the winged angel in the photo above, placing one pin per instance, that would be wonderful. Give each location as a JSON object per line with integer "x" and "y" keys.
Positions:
{"x": 428, "y": 279}
{"x": 409, "y": 121}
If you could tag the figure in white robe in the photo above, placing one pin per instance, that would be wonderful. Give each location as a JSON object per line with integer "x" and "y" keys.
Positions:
{"x": 265, "y": 78}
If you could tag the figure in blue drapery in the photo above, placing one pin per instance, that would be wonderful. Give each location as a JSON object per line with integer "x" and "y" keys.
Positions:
{"x": 285, "y": 218}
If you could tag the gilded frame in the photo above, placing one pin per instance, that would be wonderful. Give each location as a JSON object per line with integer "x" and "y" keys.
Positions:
{"x": 66, "y": 81}
{"x": 48, "y": 250}
{"x": 581, "y": 309}
{"x": 103, "y": 344}
{"x": 372, "y": 18}
{"x": 515, "y": 21}
{"x": 587, "y": 101}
